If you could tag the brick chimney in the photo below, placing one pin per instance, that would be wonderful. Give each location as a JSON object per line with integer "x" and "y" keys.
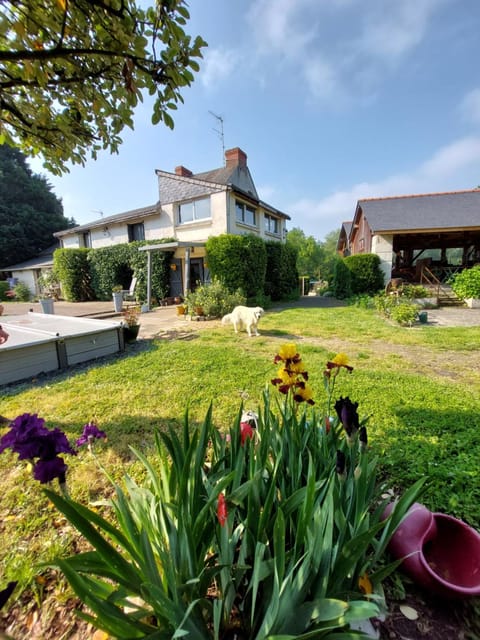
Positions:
{"x": 235, "y": 157}
{"x": 183, "y": 171}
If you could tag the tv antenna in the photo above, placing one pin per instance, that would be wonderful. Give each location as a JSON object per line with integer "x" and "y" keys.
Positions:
{"x": 97, "y": 211}
{"x": 219, "y": 132}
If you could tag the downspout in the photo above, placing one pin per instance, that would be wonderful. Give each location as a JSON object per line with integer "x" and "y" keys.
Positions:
{"x": 187, "y": 270}
{"x": 149, "y": 279}
{"x": 228, "y": 207}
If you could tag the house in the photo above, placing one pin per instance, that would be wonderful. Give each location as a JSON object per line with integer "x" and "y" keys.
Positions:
{"x": 30, "y": 270}
{"x": 417, "y": 237}
{"x": 190, "y": 208}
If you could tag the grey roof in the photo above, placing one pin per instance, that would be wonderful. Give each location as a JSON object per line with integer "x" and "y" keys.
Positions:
{"x": 133, "y": 214}
{"x": 176, "y": 188}
{"x": 458, "y": 209}
{"x": 44, "y": 259}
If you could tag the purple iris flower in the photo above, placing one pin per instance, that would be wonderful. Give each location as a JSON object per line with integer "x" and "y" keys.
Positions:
{"x": 46, "y": 470}
{"x": 90, "y": 433}
{"x": 22, "y": 430}
{"x": 347, "y": 414}
{"x": 44, "y": 445}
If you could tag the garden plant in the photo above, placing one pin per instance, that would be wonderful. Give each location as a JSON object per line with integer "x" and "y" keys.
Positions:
{"x": 418, "y": 386}
{"x": 272, "y": 529}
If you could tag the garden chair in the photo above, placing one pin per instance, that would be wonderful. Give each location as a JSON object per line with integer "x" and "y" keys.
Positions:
{"x": 129, "y": 294}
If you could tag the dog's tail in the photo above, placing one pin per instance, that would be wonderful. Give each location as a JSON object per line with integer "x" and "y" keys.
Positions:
{"x": 226, "y": 319}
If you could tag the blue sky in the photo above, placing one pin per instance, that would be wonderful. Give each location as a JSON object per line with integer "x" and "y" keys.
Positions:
{"x": 331, "y": 100}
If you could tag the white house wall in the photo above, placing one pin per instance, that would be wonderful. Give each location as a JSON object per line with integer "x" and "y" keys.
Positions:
{"x": 383, "y": 247}
{"x": 166, "y": 225}
{"x": 27, "y": 277}
{"x": 240, "y": 228}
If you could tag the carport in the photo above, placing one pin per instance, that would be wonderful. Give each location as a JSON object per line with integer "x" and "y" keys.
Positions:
{"x": 182, "y": 255}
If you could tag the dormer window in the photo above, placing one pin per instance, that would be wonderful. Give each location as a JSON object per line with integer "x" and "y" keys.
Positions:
{"x": 246, "y": 214}
{"x": 194, "y": 210}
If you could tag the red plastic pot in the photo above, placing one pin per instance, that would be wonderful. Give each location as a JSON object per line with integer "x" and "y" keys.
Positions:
{"x": 441, "y": 552}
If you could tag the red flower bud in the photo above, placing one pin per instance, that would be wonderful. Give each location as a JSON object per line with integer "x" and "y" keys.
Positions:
{"x": 222, "y": 510}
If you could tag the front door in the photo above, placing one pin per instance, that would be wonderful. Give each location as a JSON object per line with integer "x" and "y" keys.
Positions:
{"x": 176, "y": 281}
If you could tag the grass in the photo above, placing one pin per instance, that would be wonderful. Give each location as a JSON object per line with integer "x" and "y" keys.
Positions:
{"x": 419, "y": 386}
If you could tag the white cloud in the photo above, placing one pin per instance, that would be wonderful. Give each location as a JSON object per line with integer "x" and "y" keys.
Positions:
{"x": 340, "y": 48}
{"x": 394, "y": 30}
{"x": 217, "y": 65}
{"x": 470, "y": 107}
{"x": 452, "y": 159}
{"x": 453, "y": 167}
{"x": 323, "y": 81}
{"x": 278, "y": 26}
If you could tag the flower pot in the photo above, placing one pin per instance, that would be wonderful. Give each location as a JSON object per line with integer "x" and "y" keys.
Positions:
{"x": 181, "y": 310}
{"x": 47, "y": 305}
{"x": 198, "y": 311}
{"x": 473, "y": 303}
{"x": 117, "y": 301}
{"x": 441, "y": 553}
{"x": 423, "y": 317}
{"x": 130, "y": 334}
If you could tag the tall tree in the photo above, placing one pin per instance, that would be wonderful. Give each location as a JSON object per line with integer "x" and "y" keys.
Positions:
{"x": 309, "y": 251}
{"x": 73, "y": 71}
{"x": 330, "y": 255}
{"x": 29, "y": 211}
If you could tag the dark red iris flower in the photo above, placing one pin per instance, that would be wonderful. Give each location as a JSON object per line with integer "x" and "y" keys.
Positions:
{"x": 347, "y": 414}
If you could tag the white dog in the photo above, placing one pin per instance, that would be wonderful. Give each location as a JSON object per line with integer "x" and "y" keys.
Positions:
{"x": 246, "y": 318}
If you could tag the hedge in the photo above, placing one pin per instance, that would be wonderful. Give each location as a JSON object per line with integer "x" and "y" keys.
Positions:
{"x": 72, "y": 269}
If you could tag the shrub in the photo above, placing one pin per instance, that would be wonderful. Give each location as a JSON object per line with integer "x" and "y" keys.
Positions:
{"x": 238, "y": 261}
{"x": 4, "y": 287}
{"x": 401, "y": 311}
{"x": 72, "y": 269}
{"x": 342, "y": 281}
{"x": 367, "y": 277}
{"x": 22, "y": 292}
{"x": 414, "y": 291}
{"x": 466, "y": 284}
{"x": 214, "y": 299}
{"x": 404, "y": 313}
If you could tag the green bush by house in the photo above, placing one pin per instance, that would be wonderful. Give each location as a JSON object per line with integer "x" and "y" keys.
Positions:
{"x": 261, "y": 269}
{"x": 72, "y": 269}
{"x": 466, "y": 284}
{"x": 367, "y": 277}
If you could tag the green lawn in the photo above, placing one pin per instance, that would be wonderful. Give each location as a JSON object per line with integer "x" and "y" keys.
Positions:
{"x": 419, "y": 386}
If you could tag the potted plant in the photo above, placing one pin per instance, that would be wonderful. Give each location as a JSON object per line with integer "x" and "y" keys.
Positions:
{"x": 117, "y": 293}
{"x": 131, "y": 325}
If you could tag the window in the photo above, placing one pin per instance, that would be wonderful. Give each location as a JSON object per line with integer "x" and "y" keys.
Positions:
{"x": 136, "y": 232}
{"x": 195, "y": 210}
{"x": 87, "y": 240}
{"x": 245, "y": 214}
{"x": 272, "y": 225}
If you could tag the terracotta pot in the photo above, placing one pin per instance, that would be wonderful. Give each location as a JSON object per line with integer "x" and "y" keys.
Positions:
{"x": 442, "y": 553}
